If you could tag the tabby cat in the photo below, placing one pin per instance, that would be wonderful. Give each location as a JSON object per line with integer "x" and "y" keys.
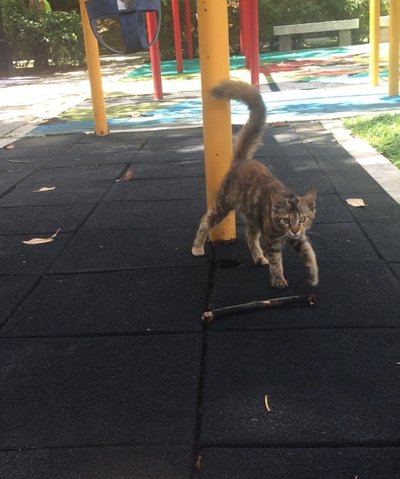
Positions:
{"x": 269, "y": 209}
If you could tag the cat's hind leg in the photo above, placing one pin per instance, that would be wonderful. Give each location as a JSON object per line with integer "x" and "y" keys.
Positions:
{"x": 215, "y": 214}
{"x": 253, "y": 241}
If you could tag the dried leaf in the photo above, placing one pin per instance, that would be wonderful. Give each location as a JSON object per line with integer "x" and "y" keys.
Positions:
{"x": 266, "y": 404}
{"x": 42, "y": 240}
{"x": 44, "y": 188}
{"x": 10, "y": 146}
{"x": 127, "y": 176}
{"x": 356, "y": 202}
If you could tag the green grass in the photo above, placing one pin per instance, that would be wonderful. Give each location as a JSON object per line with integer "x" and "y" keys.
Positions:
{"x": 380, "y": 131}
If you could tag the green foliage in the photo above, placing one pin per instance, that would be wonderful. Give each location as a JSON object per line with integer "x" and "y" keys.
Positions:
{"x": 50, "y": 38}
{"x": 380, "y": 131}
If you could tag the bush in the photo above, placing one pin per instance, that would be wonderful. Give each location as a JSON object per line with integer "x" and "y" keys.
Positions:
{"x": 48, "y": 38}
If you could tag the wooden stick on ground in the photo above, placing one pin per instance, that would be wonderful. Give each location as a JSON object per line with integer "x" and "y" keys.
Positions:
{"x": 209, "y": 316}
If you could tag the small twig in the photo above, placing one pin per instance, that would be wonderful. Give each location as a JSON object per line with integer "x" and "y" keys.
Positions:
{"x": 309, "y": 299}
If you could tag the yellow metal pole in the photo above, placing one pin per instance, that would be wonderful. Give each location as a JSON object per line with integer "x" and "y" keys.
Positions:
{"x": 94, "y": 70}
{"x": 217, "y": 129}
{"x": 394, "y": 48}
{"x": 374, "y": 14}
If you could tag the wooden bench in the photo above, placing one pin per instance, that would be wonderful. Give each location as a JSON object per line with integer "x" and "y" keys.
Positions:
{"x": 384, "y": 28}
{"x": 344, "y": 28}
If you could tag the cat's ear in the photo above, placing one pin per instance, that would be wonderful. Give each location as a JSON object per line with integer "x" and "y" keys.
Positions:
{"x": 310, "y": 198}
{"x": 278, "y": 200}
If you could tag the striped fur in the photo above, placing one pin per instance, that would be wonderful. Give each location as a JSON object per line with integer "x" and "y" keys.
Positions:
{"x": 271, "y": 212}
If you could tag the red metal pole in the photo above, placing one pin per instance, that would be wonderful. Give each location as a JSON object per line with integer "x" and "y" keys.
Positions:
{"x": 246, "y": 33}
{"x": 188, "y": 29}
{"x": 154, "y": 55}
{"x": 177, "y": 35}
{"x": 242, "y": 28}
{"x": 254, "y": 45}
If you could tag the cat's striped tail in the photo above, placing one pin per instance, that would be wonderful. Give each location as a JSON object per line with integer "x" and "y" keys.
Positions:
{"x": 249, "y": 136}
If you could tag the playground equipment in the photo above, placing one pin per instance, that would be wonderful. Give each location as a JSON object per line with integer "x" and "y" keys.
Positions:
{"x": 134, "y": 34}
{"x": 217, "y": 130}
{"x": 394, "y": 37}
{"x": 131, "y": 17}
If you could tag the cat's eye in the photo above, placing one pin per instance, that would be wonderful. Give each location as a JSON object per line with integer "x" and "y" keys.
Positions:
{"x": 285, "y": 221}
{"x": 302, "y": 219}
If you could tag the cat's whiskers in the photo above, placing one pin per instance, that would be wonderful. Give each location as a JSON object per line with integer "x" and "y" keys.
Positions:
{"x": 315, "y": 234}
{"x": 310, "y": 241}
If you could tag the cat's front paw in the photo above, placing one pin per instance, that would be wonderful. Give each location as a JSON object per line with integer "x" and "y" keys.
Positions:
{"x": 198, "y": 251}
{"x": 279, "y": 283}
{"x": 262, "y": 261}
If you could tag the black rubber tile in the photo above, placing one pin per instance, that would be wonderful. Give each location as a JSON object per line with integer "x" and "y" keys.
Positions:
{"x": 313, "y": 131}
{"x": 310, "y": 463}
{"x": 333, "y": 158}
{"x": 172, "y": 169}
{"x": 39, "y": 219}
{"x": 114, "y": 302}
{"x": 285, "y": 135}
{"x": 300, "y": 183}
{"x": 35, "y": 155}
{"x": 146, "y": 214}
{"x": 71, "y": 174}
{"x": 82, "y": 192}
{"x": 286, "y": 164}
{"x": 26, "y": 160}
{"x": 331, "y": 209}
{"x": 276, "y": 150}
{"x": 385, "y": 238}
{"x": 99, "y": 391}
{"x": 160, "y": 154}
{"x": 134, "y": 462}
{"x": 336, "y": 241}
{"x": 172, "y": 148}
{"x": 380, "y": 208}
{"x": 396, "y": 269}
{"x": 19, "y": 258}
{"x": 13, "y": 289}
{"x": 127, "y": 249}
{"x": 322, "y": 388}
{"x": 81, "y": 158}
{"x": 9, "y": 178}
{"x": 341, "y": 241}
{"x": 129, "y": 139}
{"x": 350, "y": 295}
{"x": 351, "y": 184}
{"x": 50, "y": 141}
{"x": 104, "y": 147}
{"x": 158, "y": 189}
{"x": 175, "y": 140}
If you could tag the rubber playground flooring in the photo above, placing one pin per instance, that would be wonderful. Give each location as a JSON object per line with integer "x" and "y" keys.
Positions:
{"x": 296, "y": 85}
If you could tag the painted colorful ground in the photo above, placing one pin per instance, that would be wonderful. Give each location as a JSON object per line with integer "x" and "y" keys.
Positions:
{"x": 296, "y": 85}
{"x": 340, "y": 64}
